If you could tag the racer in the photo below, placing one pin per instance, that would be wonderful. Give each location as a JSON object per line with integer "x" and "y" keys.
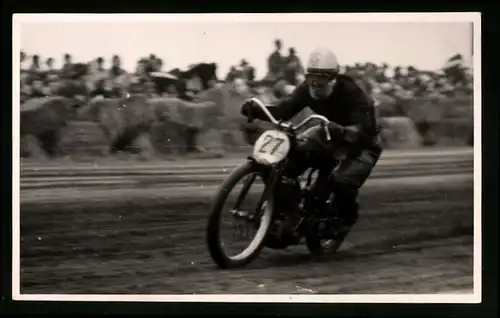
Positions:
{"x": 353, "y": 126}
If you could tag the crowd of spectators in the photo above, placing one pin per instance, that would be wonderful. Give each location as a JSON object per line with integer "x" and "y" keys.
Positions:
{"x": 96, "y": 79}
{"x": 84, "y": 80}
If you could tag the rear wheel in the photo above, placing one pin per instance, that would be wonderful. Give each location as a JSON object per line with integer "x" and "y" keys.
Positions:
{"x": 256, "y": 216}
{"x": 319, "y": 246}
{"x": 320, "y": 239}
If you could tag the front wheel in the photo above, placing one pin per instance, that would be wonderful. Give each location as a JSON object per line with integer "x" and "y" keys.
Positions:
{"x": 256, "y": 216}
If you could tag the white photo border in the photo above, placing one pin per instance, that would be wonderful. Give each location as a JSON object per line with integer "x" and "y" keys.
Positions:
{"x": 472, "y": 17}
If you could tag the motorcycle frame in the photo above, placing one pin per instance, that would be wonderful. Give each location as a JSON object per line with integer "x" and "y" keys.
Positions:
{"x": 274, "y": 174}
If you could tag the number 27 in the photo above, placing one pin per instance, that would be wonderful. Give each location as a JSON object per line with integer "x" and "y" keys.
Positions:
{"x": 267, "y": 141}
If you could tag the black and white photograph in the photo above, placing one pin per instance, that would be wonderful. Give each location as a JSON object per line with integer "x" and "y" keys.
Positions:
{"x": 304, "y": 157}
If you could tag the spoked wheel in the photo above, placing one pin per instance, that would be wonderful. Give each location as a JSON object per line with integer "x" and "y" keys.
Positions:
{"x": 318, "y": 241}
{"x": 240, "y": 210}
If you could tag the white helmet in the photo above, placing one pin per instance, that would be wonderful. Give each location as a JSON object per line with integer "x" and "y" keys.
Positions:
{"x": 322, "y": 60}
{"x": 322, "y": 70}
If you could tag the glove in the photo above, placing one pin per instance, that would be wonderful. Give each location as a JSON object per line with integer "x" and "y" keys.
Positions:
{"x": 348, "y": 133}
{"x": 335, "y": 129}
{"x": 248, "y": 109}
{"x": 351, "y": 134}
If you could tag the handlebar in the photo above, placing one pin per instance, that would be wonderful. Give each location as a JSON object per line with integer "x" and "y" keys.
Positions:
{"x": 323, "y": 119}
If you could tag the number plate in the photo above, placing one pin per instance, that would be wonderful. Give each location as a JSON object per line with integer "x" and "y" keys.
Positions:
{"x": 271, "y": 147}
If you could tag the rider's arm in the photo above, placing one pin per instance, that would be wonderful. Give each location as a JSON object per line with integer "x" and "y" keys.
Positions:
{"x": 361, "y": 120}
{"x": 289, "y": 106}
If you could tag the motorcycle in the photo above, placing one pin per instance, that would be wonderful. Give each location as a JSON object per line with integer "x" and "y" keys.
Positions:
{"x": 289, "y": 209}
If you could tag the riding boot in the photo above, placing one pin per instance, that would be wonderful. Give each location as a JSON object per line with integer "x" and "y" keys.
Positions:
{"x": 346, "y": 205}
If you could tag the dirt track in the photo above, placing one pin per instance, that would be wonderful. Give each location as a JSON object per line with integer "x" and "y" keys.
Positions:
{"x": 410, "y": 239}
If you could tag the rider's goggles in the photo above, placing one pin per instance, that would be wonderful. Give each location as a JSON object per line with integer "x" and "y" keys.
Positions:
{"x": 318, "y": 79}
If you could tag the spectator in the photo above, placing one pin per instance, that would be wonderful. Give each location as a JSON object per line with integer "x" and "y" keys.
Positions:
{"x": 141, "y": 68}
{"x": 67, "y": 67}
{"x": 95, "y": 72}
{"x": 24, "y": 73}
{"x": 276, "y": 61}
{"x": 455, "y": 71}
{"x": 370, "y": 70}
{"x": 22, "y": 57}
{"x": 293, "y": 67}
{"x": 50, "y": 73}
{"x": 53, "y": 88}
{"x": 397, "y": 73}
{"x": 231, "y": 75}
{"x": 248, "y": 72}
{"x": 157, "y": 64}
{"x": 74, "y": 88}
{"x": 25, "y": 63}
{"x": 49, "y": 65}
{"x": 240, "y": 86}
{"x": 116, "y": 69}
{"x": 152, "y": 64}
{"x": 37, "y": 88}
{"x": 35, "y": 64}
{"x": 104, "y": 88}
{"x": 100, "y": 65}
{"x": 403, "y": 83}
{"x": 380, "y": 74}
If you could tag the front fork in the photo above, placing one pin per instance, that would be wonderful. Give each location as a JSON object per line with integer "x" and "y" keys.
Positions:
{"x": 270, "y": 176}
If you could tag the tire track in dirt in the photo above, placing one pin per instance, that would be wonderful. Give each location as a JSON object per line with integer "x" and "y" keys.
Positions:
{"x": 409, "y": 240}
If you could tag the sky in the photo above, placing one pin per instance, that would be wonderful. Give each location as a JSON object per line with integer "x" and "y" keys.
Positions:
{"x": 425, "y": 45}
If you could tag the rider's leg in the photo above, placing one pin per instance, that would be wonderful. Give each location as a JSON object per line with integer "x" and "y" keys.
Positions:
{"x": 348, "y": 179}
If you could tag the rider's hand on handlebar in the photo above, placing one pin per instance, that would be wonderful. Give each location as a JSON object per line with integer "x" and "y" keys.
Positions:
{"x": 349, "y": 133}
{"x": 248, "y": 109}
{"x": 335, "y": 128}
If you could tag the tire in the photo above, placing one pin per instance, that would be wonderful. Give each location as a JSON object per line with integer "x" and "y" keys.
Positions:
{"x": 213, "y": 227}
{"x": 317, "y": 247}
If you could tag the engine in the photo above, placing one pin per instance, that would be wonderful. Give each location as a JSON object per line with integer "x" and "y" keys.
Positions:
{"x": 287, "y": 216}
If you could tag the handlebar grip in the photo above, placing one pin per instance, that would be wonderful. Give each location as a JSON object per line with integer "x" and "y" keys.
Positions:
{"x": 250, "y": 117}
{"x": 327, "y": 132}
